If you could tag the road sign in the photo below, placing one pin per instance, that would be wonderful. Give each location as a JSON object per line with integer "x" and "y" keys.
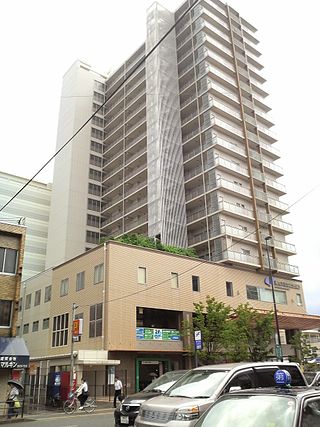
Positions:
{"x": 279, "y": 351}
{"x": 197, "y": 340}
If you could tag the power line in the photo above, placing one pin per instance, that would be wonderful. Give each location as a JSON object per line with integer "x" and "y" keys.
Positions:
{"x": 130, "y": 73}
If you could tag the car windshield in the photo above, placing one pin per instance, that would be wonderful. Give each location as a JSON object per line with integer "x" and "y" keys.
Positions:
{"x": 198, "y": 383}
{"x": 250, "y": 411}
{"x": 164, "y": 382}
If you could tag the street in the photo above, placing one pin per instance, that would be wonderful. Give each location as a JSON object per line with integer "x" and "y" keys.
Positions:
{"x": 98, "y": 419}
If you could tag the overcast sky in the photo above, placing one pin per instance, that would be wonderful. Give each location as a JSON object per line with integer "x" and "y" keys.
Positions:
{"x": 40, "y": 39}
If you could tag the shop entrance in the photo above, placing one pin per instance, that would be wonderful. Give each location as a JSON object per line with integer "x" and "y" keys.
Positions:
{"x": 149, "y": 369}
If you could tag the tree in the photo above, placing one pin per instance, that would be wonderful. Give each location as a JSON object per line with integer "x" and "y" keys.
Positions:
{"x": 211, "y": 319}
{"x": 304, "y": 350}
{"x": 150, "y": 242}
{"x": 249, "y": 335}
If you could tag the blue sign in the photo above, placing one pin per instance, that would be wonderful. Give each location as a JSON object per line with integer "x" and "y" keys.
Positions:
{"x": 197, "y": 340}
{"x": 269, "y": 281}
{"x": 282, "y": 377}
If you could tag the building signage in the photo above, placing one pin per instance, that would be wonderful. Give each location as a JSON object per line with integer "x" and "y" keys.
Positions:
{"x": 14, "y": 362}
{"x": 157, "y": 334}
{"x": 280, "y": 284}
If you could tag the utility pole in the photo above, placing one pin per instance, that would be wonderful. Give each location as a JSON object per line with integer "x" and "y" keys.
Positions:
{"x": 278, "y": 347}
{"x": 74, "y": 307}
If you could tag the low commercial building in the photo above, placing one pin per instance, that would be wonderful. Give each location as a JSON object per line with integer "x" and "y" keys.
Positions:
{"x": 14, "y": 356}
{"x": 130, "y": 302}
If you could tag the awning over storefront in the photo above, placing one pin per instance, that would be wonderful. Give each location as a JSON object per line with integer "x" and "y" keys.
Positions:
{"x": 94, "y": 357}
{"x": 297, "y": 321}
{"x": 13, "y": 353}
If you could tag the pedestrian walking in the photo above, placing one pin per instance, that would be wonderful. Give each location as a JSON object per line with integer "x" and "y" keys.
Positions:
{"x": 82, "y": 392}
{"x": 11, "y": 399}
{"x": 117, "y": 390}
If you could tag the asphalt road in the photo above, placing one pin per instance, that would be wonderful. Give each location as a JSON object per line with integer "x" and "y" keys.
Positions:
{"x": 103, "y": 418}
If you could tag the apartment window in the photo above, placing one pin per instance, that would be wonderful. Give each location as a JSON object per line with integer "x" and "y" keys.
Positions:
{"x": 240, "y": 205}
{"x": 95, "y": 160}
{"x": 97, "y": 121}
{"x": 35, "y": 326}
{"x": 60, "y": 330}
{"x": 96, "y": 146}
{"x": 238, "y": 183}
{"x": 80, "y": 281}
{"x": 265, "y": 295}
{"x": 299, "y": 299}
{"x": 245, "y": 251}
{"x": 196, "y": 283}
{"x": 94, "y": 205}
{"x": 5, "y": 313}
{"x": 95, "y": 133}
{"x": 64, "y": 287}
{"x": 99, "y": 86}
{"x": 94, "y": 189}
{"x": 8, "y": 260}
{"x": 243, "y": 227}
{"x": 174, "y": 280}
{"x": 26, "y": 328}
{"x": 98, "y": 97}
{"x": 95, "y": 321}
{"x": 93, "y": 221}
{"x": 20, "y": 304}
{"x": 37, "y": 297}
{"x": 28, "y": 302}
{"x": 92, "y": 237}
{"x": 47, "y": 293}
{"x": 142, "y": 275}
{"x": 95, "y": 175}
{"x": 98, "y": 274}
{"x": 229, "y": 289}
{"x": 45, "y": 323}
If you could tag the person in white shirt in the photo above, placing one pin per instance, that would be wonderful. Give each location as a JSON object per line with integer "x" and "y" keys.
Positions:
{"x": 117, "y": 390}
{"x": 82, "y": 392}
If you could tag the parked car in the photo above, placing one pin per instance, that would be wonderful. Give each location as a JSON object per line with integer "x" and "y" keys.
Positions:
{"x": 274, "y": 407}
{"x": 192, "y": 394}
{"x": 126, "y": 413}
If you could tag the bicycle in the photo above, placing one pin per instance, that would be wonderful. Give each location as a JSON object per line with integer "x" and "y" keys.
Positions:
{"x": 72, "y": 404}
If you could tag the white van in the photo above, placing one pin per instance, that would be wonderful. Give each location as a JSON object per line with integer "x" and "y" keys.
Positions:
{"x": 192, "y": 394}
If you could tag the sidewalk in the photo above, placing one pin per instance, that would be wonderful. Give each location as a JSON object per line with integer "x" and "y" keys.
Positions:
{"x": 48, "y": 412}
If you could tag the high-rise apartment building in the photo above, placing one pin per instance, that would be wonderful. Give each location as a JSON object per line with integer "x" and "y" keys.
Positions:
{"x": 188, "y": 153}
{"x": 74, "y": 224}
{"x": 30, "y": 208}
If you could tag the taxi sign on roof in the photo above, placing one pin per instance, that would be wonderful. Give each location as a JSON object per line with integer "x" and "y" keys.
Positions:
{"x": 282, "y": 377}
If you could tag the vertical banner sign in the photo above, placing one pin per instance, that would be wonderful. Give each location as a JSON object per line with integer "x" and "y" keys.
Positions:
{"x": 76, "y": 328}
{"x": 197, "y": 340}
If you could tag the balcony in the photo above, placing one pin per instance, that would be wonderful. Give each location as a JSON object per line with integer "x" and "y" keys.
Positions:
{"x": 281, "y": 267}
{"x": 276, "y": 186}
{"x": 234, "y": 188}
{"x": 282, "y": 246}
{"x": 222, "y": 163}
{"x": 277, "y": 170}
{"x": 237, "y": 257}
{"x": 235, "y": 209}
{"x": 282, "y": 225}
{"x": 275, "y": 203}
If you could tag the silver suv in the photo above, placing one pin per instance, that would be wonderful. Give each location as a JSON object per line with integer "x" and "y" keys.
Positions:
{"x": 193, "y": 393}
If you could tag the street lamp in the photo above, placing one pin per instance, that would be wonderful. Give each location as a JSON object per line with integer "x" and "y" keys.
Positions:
{"x": 279, "y": 353}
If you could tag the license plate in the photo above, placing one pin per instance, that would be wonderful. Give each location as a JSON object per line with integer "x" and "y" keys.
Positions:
{"x": 124, "y": 420}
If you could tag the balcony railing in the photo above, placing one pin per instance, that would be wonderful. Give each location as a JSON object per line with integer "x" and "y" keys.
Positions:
{"x": 236, "y": 257}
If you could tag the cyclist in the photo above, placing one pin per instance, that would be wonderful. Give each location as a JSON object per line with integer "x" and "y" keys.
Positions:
{"x": 82, "y": 392}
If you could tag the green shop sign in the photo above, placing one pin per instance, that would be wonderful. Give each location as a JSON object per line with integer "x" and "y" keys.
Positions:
{"x": 157, "y": 334}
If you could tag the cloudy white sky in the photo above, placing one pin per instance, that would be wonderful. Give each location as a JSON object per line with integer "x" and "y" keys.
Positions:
{"x": 40, "y": 39}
